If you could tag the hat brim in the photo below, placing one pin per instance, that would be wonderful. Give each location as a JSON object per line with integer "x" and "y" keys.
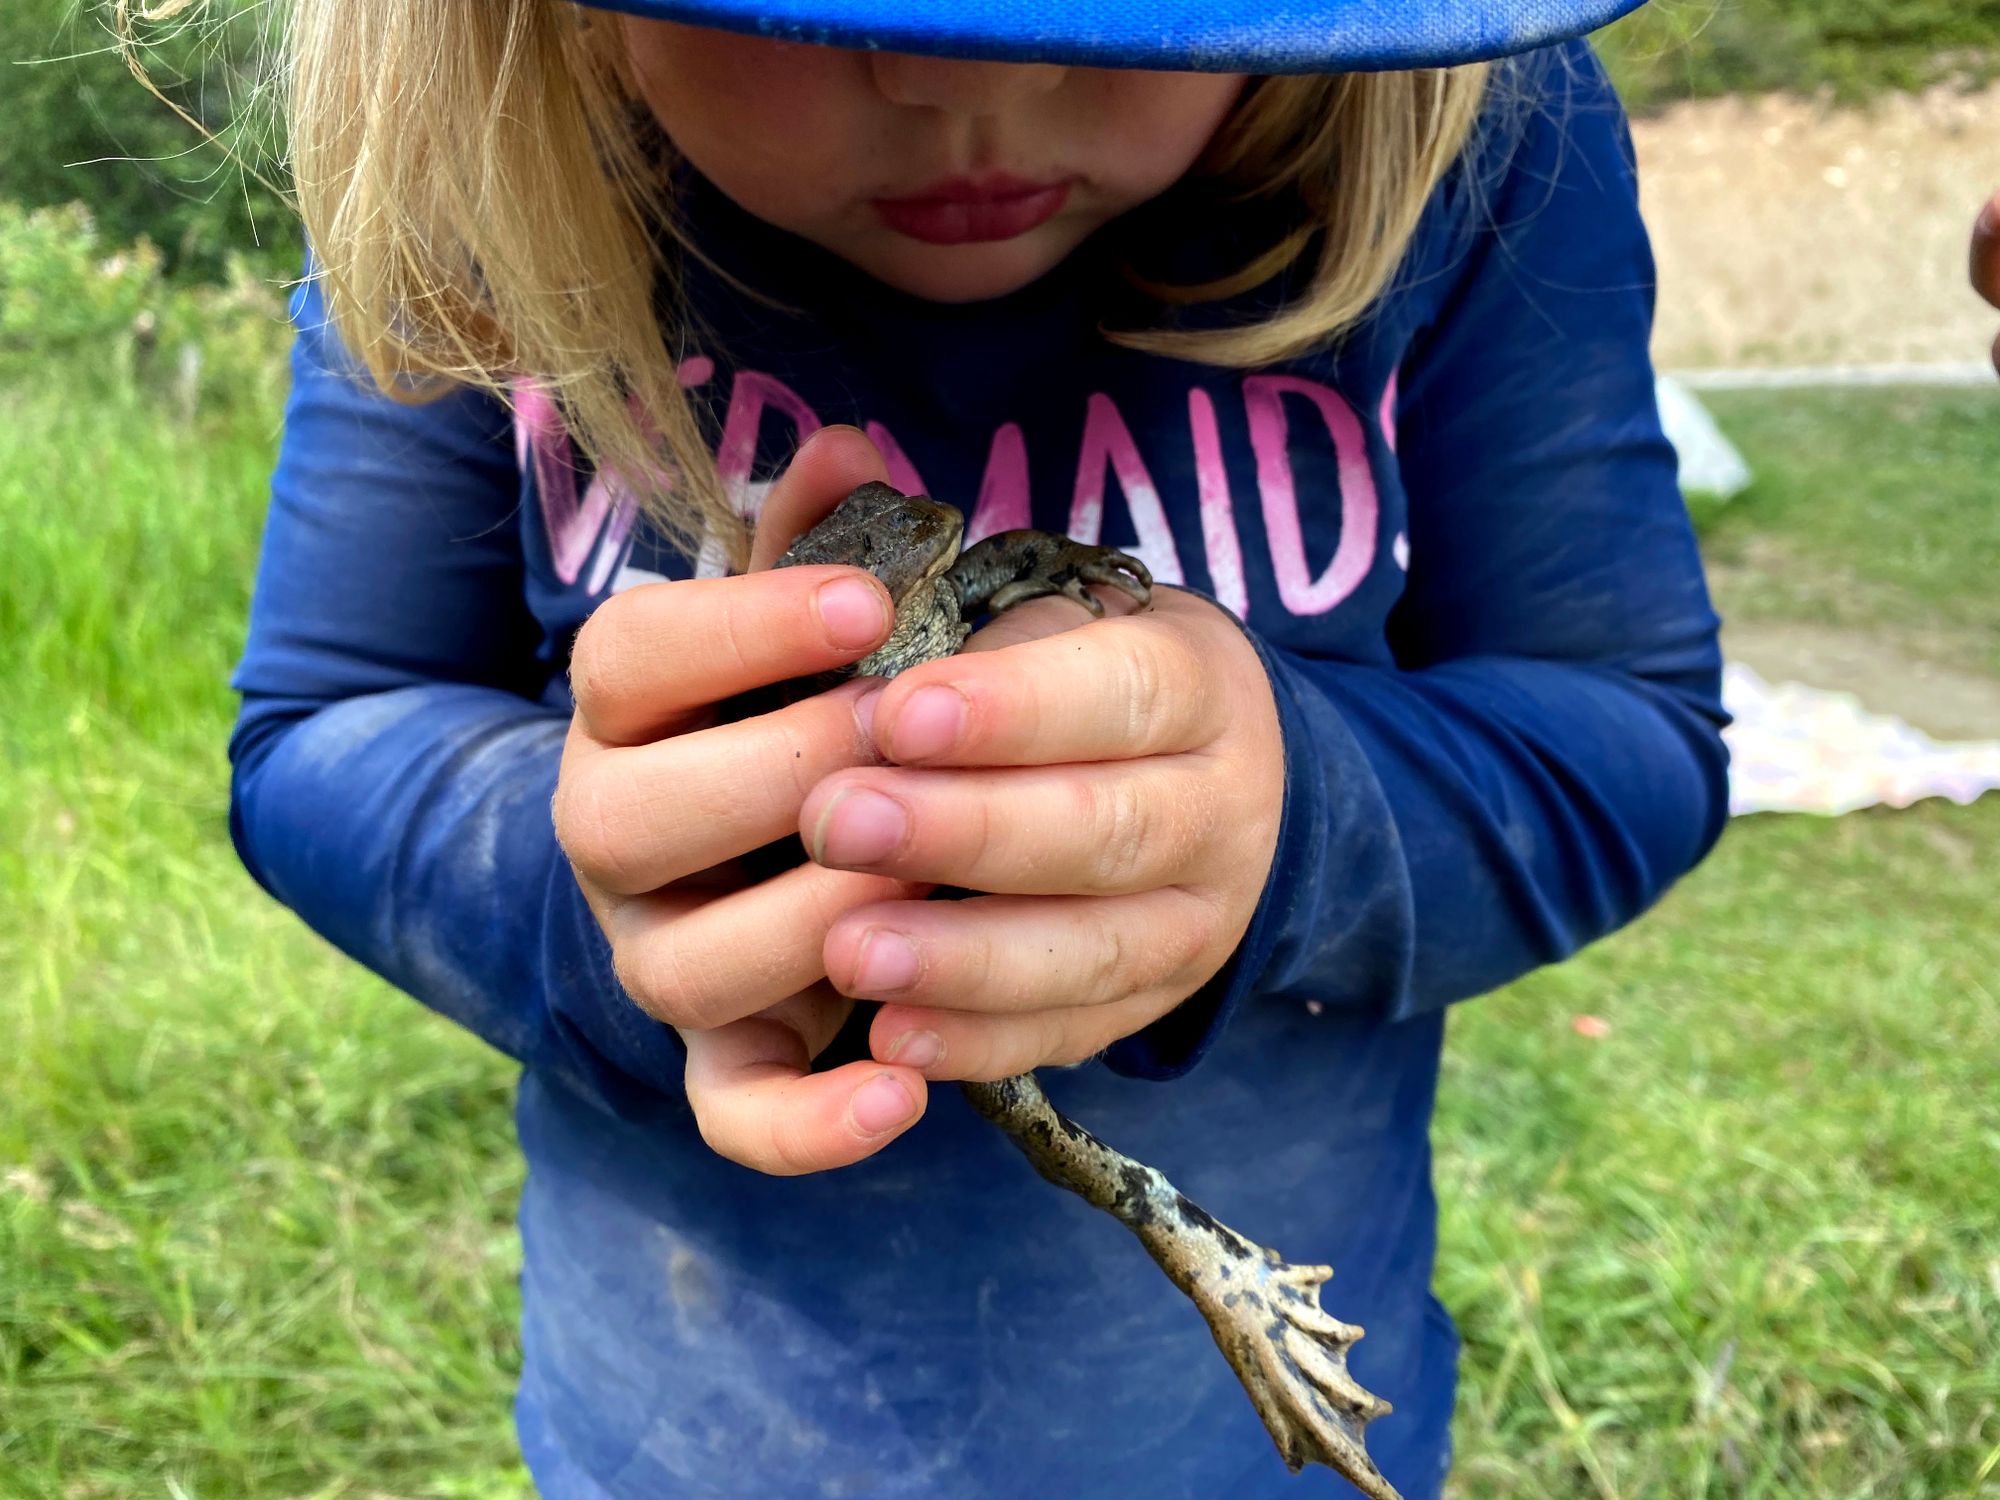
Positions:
{"x": 1196, "y": 36}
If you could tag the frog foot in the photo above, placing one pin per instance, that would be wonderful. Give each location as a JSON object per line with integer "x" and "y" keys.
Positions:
{"x": 1289, "y": 1352}
{"x": 1013, "y": 567}
{"x": 1291, "y": 1355}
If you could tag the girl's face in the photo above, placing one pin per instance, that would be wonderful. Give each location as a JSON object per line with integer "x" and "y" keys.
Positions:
{"x": 953, "y": 181}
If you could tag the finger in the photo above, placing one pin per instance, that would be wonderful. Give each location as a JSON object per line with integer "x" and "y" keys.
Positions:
{"x": 634, "y": 819}
{"x": 1013, "y": 955}
{"x": 813, "y": 1015}
{"x": 758, "y": 1102}
{"x": 697, "y": 960}
{"x": 648, "y": 658}
{"x": 1105, "y": 829}
{"x": 960, "y": 1046}
{"x": 829, "y": 464}
{"x": 1036, "y": 618}
{"x": 1114, "y": 689}
{"x": 1986, "y": 252}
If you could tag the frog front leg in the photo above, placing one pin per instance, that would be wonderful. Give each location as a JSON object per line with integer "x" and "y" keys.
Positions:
{"x": 1012, "y": 567}
{"x": 929, "y": 626}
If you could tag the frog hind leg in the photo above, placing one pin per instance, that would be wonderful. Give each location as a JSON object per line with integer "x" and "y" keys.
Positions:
{"x": 1265, "y": 1313}
{"x": 1012, "y": 567}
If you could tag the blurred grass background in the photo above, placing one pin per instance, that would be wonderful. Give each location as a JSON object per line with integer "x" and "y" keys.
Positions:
{"x": 256, "y": 1210}
{"x": 1681, "y": 49}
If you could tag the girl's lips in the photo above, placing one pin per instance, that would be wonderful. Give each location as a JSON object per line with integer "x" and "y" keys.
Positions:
{"x": 964, "y": 212}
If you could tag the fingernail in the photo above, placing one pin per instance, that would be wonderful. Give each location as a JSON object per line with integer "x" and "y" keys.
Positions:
{"x": 887, "y": 963}
{"x": 930, "y": 723}
{"x": 917, "y": 1049}
{"x": 864, "y": 713}
{"x": 859, "y": 827}
{"x": 852, "y": 613}
{"x": 880, "y": 1105}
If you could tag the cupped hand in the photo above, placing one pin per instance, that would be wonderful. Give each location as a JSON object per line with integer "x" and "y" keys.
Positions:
{"x": 657, "y": 797}
{"x": 1116, "y": 787}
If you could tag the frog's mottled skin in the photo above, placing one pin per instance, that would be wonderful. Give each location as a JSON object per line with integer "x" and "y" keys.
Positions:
{"x": 911, "y": 543}
{"x": 1289, "y": 1353}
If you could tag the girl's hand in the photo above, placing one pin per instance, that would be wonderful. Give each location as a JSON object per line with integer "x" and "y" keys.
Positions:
{"x": 656, "y": 798}
{"x": 1119, "y": 785}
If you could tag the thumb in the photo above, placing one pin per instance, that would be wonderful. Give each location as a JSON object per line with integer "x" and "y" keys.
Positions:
{"x": 1986, "y": 252}
{"x": 830, "y": 463}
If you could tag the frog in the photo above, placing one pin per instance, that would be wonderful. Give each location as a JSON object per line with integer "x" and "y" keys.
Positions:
{"x": 915, "y": 545}
{"x": 1263, "y": 1311}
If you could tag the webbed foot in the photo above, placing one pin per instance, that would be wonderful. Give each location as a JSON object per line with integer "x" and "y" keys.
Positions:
{"x": 1291, "y": 1355}
{"x": 1013, "y": 567}
{"x": 1289, "y": 1352}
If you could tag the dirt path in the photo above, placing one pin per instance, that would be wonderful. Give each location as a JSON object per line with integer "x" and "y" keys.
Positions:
{"x": 1945, "y": 701}
{"x": 1789, "y": 233}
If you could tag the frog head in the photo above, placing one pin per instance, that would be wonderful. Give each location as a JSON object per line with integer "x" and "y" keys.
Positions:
{"x": 904, "y": 540}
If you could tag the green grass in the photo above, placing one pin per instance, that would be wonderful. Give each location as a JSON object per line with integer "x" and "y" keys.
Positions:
{"x": 1749, "y": 1243}
{"x": 1873, "y": 512}
{"x": 255, "y": 1210}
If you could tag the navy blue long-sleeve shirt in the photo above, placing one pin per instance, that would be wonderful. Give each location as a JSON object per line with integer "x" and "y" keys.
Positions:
{"x": 1457, "y": 542}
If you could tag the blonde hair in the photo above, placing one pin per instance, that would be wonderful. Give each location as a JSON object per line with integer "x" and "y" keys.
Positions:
{"x": 483, "y": 210}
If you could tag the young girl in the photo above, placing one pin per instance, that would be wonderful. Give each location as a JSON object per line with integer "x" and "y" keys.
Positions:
{"x": 1355, "y": 361}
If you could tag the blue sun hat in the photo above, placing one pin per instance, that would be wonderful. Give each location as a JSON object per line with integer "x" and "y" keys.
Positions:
{"x": 1196, "y": 36}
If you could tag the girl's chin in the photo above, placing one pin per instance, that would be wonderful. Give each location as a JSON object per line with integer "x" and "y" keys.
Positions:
{"x": 949, "y": 273}
{"x": 960, "y": 273}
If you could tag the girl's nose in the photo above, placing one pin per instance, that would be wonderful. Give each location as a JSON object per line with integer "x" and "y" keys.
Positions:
{"x": 959, "y": 87}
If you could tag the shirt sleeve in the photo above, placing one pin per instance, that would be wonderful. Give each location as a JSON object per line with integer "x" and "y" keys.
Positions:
{"x": 394, "y": 760}
{"x": 1545, "y": 758}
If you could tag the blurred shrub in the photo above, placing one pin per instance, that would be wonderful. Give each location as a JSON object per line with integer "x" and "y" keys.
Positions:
{"x": 104, "y": 319}
{"x": 1676, "y": 49}
{"x": 78, "y": 127}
